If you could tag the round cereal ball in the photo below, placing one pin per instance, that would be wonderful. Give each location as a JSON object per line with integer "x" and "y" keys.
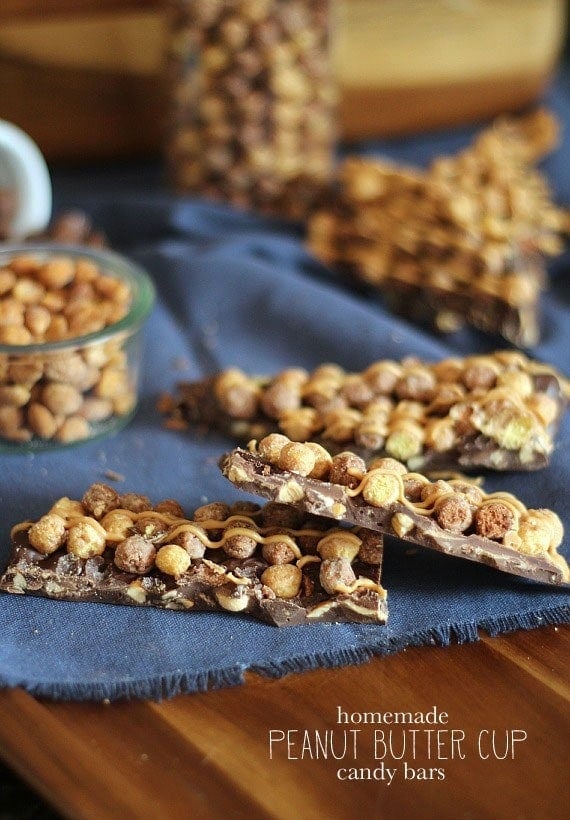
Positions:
{"x": 335, "y": 574}
{"x": 432, "y": 491}
{"x": 237, "y": 394}
{"x": 150, "y": 527}
{"x": 297, "y": 457}
{"x": 169, "y": 506}
{"x": 172, "y": 559}
{"x": 494, "y": 519}
{"x": 278, "y": 552}
{"x": 191, "y": 542}
{"x": 283, "y": 579}
{"x": 339, "y": 545}
{"x": 215, "y": 511}
{"x": 135, "y": 554}
{"x": 270, "y": 447}
{"x": 323, "y": 461}
{"x": 472, "y": 493}
{"x": 454, "y": 513}
{"x": 280, "y": 397}
{"x": 117, "y": 523}
{"x": 540, "y": 531}
{"x": 413, "y": 487}
{"x": 99, "y": 499}
{"x": 86, "y": 538}
{"x": 237, "y": 544}
{"x": 381, "y": 488}
{"x": 347, "y": 469}
{"x": 135, "y": 502}
{"x": 416, "y": 383}
{"x": 389, "y": 465}
{"x": 48, "y": 534}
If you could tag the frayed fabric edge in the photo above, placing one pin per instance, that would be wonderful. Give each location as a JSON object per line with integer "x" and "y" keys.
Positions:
{"x": 159, "y": 688}
{"x": 168, "y": 686}
{"x": 502, "y": 624}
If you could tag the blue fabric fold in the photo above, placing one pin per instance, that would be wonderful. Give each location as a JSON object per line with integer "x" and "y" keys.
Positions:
{"x": 238, "y": 289}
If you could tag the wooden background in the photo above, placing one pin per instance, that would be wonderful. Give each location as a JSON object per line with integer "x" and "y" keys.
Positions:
{"x": 207, "y": 755}
{"x": 87, "y": 79}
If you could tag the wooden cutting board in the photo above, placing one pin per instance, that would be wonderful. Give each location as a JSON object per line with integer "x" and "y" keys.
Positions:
{"x": 243, "y": 752}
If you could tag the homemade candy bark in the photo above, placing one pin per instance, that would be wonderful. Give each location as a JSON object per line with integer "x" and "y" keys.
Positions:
{"x": 455, "y": 517}
{"x": 275, "y": 563}
{"x": 463, "y": 242}
{"x": 499, "y": 411}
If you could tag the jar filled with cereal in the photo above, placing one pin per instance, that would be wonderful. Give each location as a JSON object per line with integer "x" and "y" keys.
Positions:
{"x": 71, "y": 321}
{"x": 253, "y": 103}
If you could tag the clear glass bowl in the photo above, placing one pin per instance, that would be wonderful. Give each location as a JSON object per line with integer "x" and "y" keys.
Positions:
{"x": 60, "y": 392}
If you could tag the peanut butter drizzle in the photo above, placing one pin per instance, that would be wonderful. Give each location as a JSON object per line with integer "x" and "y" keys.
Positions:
{"x": 197, "y": 529}
{"x": 348, "y": 589}
{"x": 417, "y": 507}
{"x": 229, "y": 532}
{"x": 516, "y": 506}
{"x": 347, "y": 535}
{"x": 308, "y": 559}
{"x": 429, "y": 506}
{"x": 87, "y": 519}
{"x": 360, "y": 583}
{"x": 237, "y": 581}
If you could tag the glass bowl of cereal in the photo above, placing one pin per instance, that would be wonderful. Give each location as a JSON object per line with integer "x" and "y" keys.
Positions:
{"x": 71, "y": 321}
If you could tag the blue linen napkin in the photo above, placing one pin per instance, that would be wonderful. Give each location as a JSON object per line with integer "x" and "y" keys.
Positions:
{"x": 237, "y": 289}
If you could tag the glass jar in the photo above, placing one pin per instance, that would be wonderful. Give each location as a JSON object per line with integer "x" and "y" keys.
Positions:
{"x": 71, "y": 323}
{"x": 253, "y": 103}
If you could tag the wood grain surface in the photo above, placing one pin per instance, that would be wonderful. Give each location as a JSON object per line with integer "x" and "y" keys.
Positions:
{"x": 401, "y": 68}
{"x": 276, "y": 748}
{"x": 32, "y": 9}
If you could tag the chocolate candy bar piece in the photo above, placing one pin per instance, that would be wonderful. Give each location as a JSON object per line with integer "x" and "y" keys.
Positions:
{"x": 455, "y": 517}
{"x": 274, "y": 563}
{"x": 500, "y": 410}
{"x": 464, "y": 241}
